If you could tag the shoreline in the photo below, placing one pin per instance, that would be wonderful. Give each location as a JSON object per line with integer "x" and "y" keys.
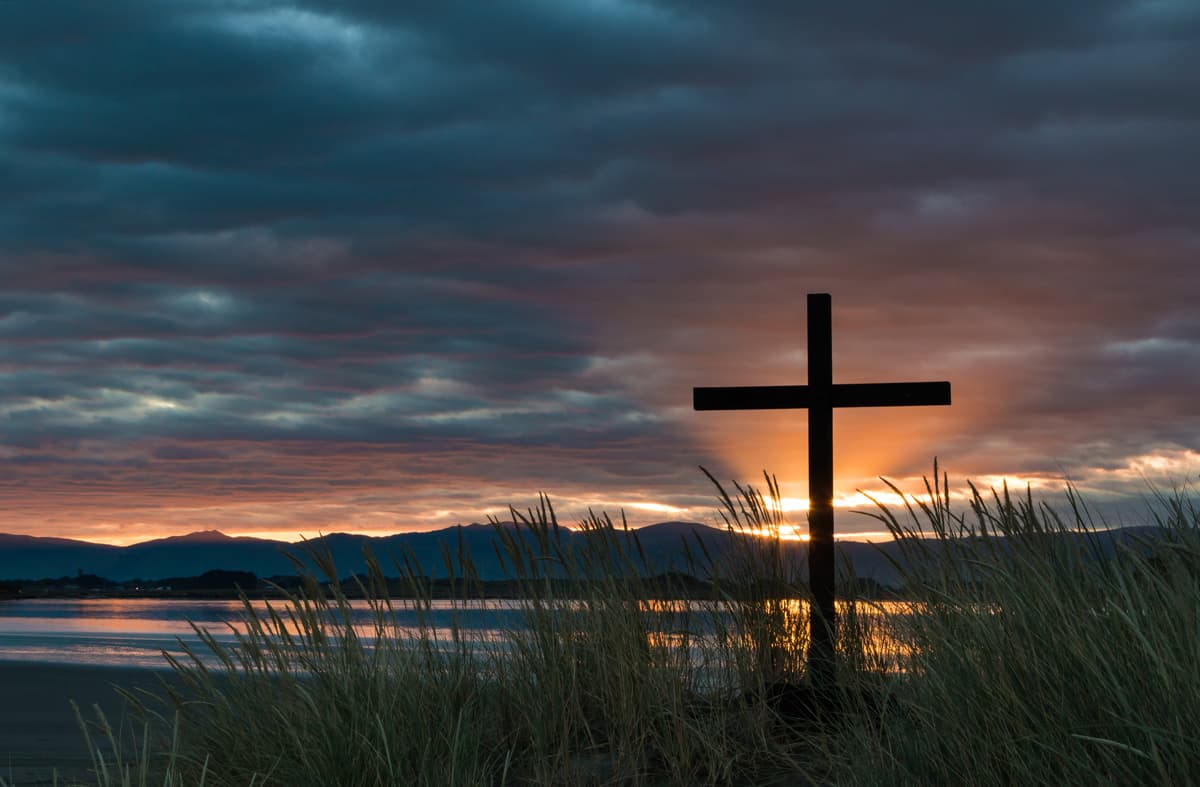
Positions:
{"x": 38, "y": 729}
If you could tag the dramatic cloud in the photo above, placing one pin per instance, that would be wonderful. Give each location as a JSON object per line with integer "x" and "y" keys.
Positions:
{"x": 288, "y": 267}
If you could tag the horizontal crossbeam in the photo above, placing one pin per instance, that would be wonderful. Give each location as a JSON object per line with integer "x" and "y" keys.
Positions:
{"x": 788, "y": 397}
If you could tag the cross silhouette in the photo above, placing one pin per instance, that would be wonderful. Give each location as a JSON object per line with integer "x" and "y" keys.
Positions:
{"x": 820, "y": 396}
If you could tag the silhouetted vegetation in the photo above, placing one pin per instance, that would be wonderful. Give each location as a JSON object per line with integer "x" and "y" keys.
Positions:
{"x": 217, "y": 583}
{"x": 220, "y": 584}
{"x": 1023, "y": 658}
{"x": 215, "y": 579}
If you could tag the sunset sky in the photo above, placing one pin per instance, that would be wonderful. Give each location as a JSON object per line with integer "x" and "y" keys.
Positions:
{"x": 288, "y": 268}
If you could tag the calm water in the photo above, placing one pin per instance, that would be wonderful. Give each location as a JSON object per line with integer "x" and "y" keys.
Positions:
{"x": 135, "y": 632}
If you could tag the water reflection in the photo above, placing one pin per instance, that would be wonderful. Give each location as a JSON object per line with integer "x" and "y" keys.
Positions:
{"x": 137, "y": 631}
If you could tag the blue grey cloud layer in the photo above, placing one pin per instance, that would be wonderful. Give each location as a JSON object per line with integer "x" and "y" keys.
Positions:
{"x": 500, "y": 241}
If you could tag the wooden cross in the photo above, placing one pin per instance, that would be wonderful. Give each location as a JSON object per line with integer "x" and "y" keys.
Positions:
{"x": 820, "y": 396}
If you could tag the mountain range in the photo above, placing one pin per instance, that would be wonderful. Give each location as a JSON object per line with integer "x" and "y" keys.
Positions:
{"x": 25, "y": 557}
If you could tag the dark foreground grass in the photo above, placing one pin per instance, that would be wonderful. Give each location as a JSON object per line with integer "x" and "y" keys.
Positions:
{"x": 1024, "y": 658}
{"x": 1039, "y": 659}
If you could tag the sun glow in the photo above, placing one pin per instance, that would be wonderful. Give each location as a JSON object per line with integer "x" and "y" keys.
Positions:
{"x": 783, "y": 533}
{"x": 787, "y": 504}
{"x": 657, "y": 508}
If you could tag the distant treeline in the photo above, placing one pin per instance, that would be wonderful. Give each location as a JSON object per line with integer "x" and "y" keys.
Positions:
{"x": 220, "y": 583}
{"x": 217, "y": 582}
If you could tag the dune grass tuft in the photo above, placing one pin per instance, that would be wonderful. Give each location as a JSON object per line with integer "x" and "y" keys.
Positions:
{"x": 1043, "y": 650}
{"x": 1032, "y": 648}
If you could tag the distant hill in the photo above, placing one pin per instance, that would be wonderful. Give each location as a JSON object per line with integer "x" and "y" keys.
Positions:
{"x": 31, "y": 558}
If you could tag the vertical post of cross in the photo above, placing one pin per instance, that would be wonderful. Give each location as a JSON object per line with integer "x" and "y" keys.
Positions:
{"x": 822, "y": 625}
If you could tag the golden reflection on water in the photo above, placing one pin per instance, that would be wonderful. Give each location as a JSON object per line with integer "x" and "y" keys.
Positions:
{"x": 116, "y": 630}
{"x": 870, "y": 631}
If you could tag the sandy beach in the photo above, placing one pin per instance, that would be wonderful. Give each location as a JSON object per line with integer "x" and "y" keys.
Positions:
{"x": 38, "y": 729}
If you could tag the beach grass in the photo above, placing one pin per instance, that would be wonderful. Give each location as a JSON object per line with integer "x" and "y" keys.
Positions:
{"x": 1022, "y": 657}
{"x": 1038, "y": 658}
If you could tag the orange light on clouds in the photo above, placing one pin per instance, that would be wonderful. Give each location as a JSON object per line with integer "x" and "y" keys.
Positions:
{"x": 657, "y": 508}
{"x": 786, "y": 533}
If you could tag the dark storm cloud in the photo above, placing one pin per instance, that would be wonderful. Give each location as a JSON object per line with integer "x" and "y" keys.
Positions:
{"x": 312, "y": 119}
{"x": 471, "y": 230}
